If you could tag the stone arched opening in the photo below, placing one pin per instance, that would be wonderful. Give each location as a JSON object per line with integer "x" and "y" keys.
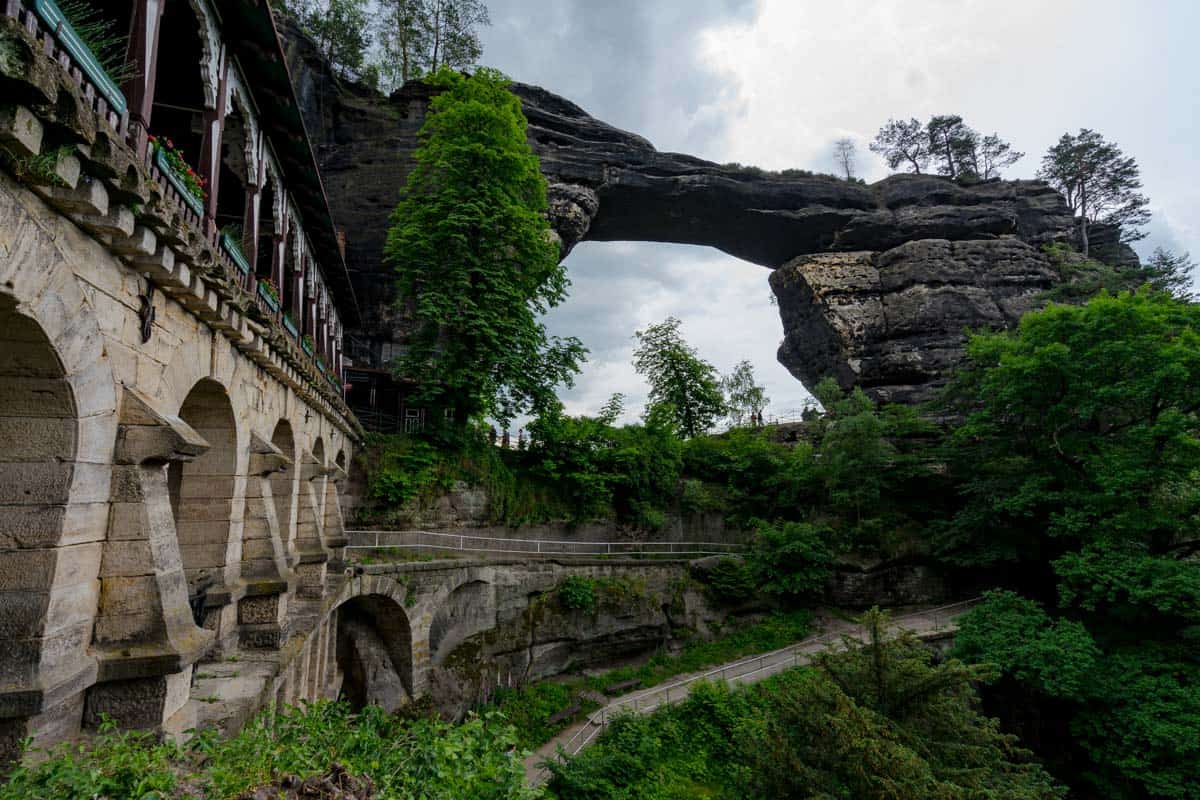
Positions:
{"x": 318, "y": 479}
{"x": 202, "y": 494}
{"x": 283, "y": 484}
{"x": 374, "y": 652}
{"x": 468, "y": 610}
{"x": 38, "y": 444}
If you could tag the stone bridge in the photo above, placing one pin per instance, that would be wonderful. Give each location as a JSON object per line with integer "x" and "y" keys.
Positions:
{"x": 450, "y": 631}
{"x": 454, "y": 629}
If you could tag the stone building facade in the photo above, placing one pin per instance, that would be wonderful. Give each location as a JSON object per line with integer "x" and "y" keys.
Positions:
{"x": 172, "y": 424}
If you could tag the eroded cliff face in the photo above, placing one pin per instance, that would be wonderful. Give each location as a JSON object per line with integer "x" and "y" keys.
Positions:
{"x": 876, "y": 284}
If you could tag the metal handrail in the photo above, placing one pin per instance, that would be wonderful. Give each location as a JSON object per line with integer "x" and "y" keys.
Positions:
{"x": 435, "y": 540}
{"x": 650, "y": 699}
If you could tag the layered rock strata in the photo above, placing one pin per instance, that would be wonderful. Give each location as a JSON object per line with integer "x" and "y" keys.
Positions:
{"x": 876, "y": 283}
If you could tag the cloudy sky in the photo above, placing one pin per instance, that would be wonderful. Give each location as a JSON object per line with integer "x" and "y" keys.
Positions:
{"x": 775, "y": 82}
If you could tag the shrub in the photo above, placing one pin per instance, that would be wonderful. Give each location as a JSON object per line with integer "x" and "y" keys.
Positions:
{"x": 577, "y": 593}
{"x": 731, "y": 581}
{"x": 792, "y": 559}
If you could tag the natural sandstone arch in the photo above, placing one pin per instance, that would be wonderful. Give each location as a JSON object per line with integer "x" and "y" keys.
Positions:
{"x": 203, "y": 493}
{"x": 865, "y": 294}
{"x": 375, "y": 652}
{"x": 283, "y": 484}
{"x": 466, "y": 611}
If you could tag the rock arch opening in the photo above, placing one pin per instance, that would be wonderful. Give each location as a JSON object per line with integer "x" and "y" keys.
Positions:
{"x": 374, "y": 652}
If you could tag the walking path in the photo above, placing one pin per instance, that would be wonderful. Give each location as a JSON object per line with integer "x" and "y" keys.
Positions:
{"x": 925, "y": 623}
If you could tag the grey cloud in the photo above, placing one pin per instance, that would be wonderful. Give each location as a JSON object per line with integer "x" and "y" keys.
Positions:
{"x": 633, "y": 64}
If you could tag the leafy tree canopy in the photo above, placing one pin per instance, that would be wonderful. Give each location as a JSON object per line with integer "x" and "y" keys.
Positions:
{"x": 1100, "y": 182}
{"x": 744, "y": 396}
{"x": 683, "y": 386}
{"x": 957, "y": 150}
{"x": 475, "y": 258}
{"x": 1083, "y": 451}
{"x": 421, "y": 37}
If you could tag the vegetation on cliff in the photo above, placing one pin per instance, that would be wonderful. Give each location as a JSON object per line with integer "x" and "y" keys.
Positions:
{"x": 475, "y": 259}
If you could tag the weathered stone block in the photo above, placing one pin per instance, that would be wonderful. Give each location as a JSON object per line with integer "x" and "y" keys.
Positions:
{"x": 138, "y": 703}
{"x": 87, "y": 197}
{"x": 20, "y": 131}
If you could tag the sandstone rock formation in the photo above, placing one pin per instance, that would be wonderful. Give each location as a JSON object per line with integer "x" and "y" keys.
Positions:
{"x": 893, "y": 322}
{"x": 876, "y": 284}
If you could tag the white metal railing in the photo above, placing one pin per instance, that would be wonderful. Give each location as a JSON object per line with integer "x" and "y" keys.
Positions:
{"x": 938, "y": 619}
{"x": 434, "y": 540}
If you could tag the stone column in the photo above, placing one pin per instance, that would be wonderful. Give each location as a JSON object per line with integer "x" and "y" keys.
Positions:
{"x": 310, "y": 559}
{"x": 262, "y": 611}
{"x": 145, "y": 637}
{"x": 253, "y": 213}
{"x": 335, "y": 528}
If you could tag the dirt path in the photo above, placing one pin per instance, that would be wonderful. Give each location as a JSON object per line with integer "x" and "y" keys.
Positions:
{"x": 926, "y": 623}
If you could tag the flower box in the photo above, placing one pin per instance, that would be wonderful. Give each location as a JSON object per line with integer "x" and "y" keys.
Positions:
{"x": 268, "y": 296}
{"x": 83, "y": 56}
{"x": 290, "y": 326}
{"x": 173, "y": 178}
{"x": 234, "y": 251}
{"x": 306, "y": 344}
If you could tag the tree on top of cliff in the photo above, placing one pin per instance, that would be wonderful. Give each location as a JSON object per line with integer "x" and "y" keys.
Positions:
{"x": 423, "y": 36}
{"x": 683, "y": 386}
{"x": 903, "y": 142}
{"x": 476, "y": 260}
{"x": 956, "y": 149}
{"x": 1100, "y": 183}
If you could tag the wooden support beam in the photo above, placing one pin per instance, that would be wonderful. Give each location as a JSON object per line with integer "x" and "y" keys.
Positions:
{"x": 254, "y": 213}
{"x": 210, "y": 145}
{"x": 142, "y": 53}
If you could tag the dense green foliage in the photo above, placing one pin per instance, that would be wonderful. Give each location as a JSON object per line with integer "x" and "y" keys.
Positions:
{"x": 406, "y": 474}
{"x": 1070, "y": 474}
{"x": 877, "y": 722}
{"x": 1084, "y": 452}
{"x": 420, "y": 758}
{"x": 475, "y": 258}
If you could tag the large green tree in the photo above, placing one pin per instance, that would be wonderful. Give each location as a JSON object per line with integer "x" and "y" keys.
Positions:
{"x": 475, "y": 259}
{"x": 683, "y": 386}
{"x": 746, "y": 399}
{"x": 1081, "y": 462}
